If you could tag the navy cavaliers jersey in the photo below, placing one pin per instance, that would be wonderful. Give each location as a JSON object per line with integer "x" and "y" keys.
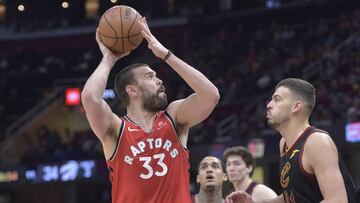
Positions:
{"x": 149, "y": 167}
{"x": 298, "y": 185}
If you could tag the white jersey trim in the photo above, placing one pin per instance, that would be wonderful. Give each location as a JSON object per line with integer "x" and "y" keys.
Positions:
{"x": 167, "y": 115}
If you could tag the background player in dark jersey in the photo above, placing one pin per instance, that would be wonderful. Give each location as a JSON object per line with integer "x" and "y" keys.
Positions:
{"x": 310, "y": 167}
{"x": 210, "y": 177}
{"x": 240, "y": 165}
{"x": 146, "y": 149}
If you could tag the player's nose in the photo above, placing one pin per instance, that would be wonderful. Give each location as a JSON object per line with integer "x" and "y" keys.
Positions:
{"x": 269, "y": 105}
{"x": 209, "y": 170}
{"x": 159, "y": 81}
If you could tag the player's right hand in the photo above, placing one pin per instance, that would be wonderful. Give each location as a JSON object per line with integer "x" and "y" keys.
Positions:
{"x": 238, "y": 197}
{"x": 107, "y": 53}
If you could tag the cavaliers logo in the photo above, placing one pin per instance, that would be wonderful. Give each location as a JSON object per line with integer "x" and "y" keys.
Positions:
{"x": 284, "y": 178}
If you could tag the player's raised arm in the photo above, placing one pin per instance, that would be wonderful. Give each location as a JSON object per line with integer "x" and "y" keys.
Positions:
{"x": 101, "y": 118}
{"x": 195, "y": 108}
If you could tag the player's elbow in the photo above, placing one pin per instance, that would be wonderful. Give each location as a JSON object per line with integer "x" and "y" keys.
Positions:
{"x": 214, "y": 95}
{"x": 87, "y": 98}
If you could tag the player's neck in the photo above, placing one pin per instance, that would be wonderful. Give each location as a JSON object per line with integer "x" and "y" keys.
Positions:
{"x": 140, "y": 117}
{"x": 242, "y": 185}
{"x": 209, "y": 197}
{"x": 291, "y": 131}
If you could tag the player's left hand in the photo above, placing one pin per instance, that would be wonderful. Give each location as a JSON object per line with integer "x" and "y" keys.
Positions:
{"x": 157, "y": 48}
{"x": 238, "y": 197}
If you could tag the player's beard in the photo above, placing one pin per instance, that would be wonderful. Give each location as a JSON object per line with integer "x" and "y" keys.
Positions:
{"x": 154, "y": 102}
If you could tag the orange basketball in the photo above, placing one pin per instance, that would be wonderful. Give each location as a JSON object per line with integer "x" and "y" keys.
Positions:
{"x": 119, "y": 29}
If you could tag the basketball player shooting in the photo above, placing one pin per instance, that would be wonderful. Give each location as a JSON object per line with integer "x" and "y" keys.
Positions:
{"x": 145, "y": 150}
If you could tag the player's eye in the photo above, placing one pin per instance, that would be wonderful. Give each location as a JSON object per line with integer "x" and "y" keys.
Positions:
{"x": 237, "y": 163}
{"x": 276, "y": 99}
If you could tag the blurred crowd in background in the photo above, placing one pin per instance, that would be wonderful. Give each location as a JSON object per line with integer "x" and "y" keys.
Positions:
{"x": 244, "y": 54}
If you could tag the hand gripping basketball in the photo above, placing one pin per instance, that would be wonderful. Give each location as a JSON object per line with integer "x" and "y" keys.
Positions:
{"x": 119, "y": 29}
{"x": 157, "y": 48}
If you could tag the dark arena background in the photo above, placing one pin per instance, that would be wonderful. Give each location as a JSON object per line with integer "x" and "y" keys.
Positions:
{"x": 47, "y": 51}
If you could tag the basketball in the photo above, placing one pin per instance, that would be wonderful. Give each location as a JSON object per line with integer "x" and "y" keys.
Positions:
{"x": 119, "y": 29}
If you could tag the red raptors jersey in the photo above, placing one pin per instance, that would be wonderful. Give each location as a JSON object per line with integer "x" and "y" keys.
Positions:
{"x": 149, "y": 167}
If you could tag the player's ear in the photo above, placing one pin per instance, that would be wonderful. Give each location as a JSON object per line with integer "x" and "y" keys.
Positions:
{"x": 131, "y": 90}
{"x": 250, "y": 168}
{"x": 225, "y": 177}
{"x": 197, "y": 178}
{"x": 297, "y": 106}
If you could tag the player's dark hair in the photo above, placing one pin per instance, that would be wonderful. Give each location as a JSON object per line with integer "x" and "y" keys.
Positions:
{"x": 303, "y": 89}
{"x": 123, "y": 78}
{"x": 221, "y": 162}
{"x": 244, "y": 153}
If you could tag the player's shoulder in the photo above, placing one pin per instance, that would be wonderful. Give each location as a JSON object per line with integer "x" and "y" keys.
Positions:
{"x": 320, "y": 143}
{"x": 263, "y": 191}
{"x": 319, "y": 138}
